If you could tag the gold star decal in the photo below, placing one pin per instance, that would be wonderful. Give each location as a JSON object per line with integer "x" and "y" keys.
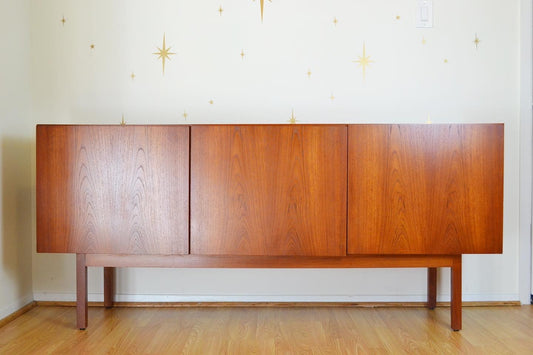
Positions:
{"x": 335, "y": 21}
{"x": 185, "y": 114}
{"x": 309, "y": 73}
{"x": 242, "y": 54}
{"x": 220, "y": 10}
{"x": 364, "y": 61}
{"x": 164, "y": 53}
{"x": 445, "y": 61}
{"x": 332, "y": 97}
{"x": 263, "y": 7}
{"x": 63, "y": 20}
{"x": 477, "y": 41}
{"x": 92, "y": 46}
{"x": 292, "y": 119}
{"x": 398, "y": 17}
{"x": 211, "y": 102}
{"x": 132, "y": 76}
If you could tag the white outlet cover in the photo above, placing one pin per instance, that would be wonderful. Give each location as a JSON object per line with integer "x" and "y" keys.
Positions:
{"x": 424, "y": 14}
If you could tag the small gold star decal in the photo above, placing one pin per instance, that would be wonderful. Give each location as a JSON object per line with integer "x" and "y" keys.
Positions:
{"x": 309, "y": 73}
{"x": 292, "y": 119}
{"x": 185, "y": 114}
{"x": 92, "y": 46}
{"x": 398, "y": 17}
{"x": 332, "y": 97}
{"x": 445, "y": 61}
{"x": 242, "y": 54}
{"x": 211, "y": 102}
{"x": 164, "y": 53}
{"x": 335, "y": 21}
{"x": 477, "y": 41}
{"x": 364, "y": 61}
{"x": 63, "y": 20}
{"x": 220, "y": 10}
{"x": 132, "y": 76}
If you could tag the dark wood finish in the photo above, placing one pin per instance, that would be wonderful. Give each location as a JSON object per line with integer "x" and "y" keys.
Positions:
{"x": 113, "y": 189}
{"x": 268, "y": 190}
{"x": 456, "y": 294}
{"x": 265, "y": 196}
{"x": 81, "y": 292}
{"x": 109, "y": 286}
{"x": 425, "y": 189}
{"x": 432, "y": 287}
{"x": 204, "y": 261}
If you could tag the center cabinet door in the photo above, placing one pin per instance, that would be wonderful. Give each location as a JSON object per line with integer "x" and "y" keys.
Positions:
{"x": 268, "y": 190}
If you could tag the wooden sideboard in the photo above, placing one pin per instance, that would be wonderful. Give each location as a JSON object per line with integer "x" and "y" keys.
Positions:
{"x": 270, "y": 196}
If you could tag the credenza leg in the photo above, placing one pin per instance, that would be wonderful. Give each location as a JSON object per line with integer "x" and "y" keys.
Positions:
{"x": 456, "y": 293}
{"x": 109, "y": 286}
{"x": 81, "y": 291}
{"x": 432, "y": 287}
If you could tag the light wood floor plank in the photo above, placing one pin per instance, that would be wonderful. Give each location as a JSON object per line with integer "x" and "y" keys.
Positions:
{"x": 486, "y": 330}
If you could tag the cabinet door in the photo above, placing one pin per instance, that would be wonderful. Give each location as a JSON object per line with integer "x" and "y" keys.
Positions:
{"x": 113, "y": 189}
{"x": 268, "y": 190}
{"x": 425, "y": 189}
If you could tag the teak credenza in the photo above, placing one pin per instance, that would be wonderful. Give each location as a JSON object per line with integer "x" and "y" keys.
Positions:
{"x": 270, "y": 196}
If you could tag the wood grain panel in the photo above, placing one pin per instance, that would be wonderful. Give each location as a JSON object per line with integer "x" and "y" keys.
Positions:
{"x": 268, "y": 190}
{"x": 425, "y": 189}
{"x": 113, "y": 189}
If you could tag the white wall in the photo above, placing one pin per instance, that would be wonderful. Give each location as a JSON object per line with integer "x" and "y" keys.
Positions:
{"x": 15, "y": 157}
{"x": 525, "y": 277}
{"x": 447, "y": 79}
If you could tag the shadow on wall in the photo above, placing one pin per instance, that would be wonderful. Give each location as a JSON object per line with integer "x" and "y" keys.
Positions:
{"x": 17, "y": 216}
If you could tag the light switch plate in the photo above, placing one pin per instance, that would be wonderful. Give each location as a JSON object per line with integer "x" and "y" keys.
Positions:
{"x": 424, "y": 14}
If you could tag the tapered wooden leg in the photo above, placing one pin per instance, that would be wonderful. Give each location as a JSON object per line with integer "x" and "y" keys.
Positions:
{"x": 81, "y": 292}
{"x": 456, "y": 292}
{"x": 109, "y": 286}
{"x": 432, "y": 287}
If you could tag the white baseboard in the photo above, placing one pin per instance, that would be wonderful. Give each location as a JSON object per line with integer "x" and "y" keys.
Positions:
{"x": 15, "y": 306}
{"x": 98, "y": 297}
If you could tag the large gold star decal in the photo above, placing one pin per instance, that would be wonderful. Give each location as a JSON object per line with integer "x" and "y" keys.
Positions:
{"x": 263, "y": 8}
{"x": 364, "y": 61}
{"x": 164, "y": 53}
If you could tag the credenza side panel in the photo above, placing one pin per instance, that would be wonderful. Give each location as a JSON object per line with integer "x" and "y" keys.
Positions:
{"x": 425, "y": 189}
{"x": 268, "y": 190}
{"x": 113, "y": 189}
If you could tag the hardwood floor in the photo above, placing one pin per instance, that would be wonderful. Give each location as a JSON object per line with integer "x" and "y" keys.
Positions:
{"x": 244, "y": 330}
